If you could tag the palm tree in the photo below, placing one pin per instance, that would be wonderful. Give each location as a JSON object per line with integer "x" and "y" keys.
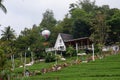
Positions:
{"x": 3, "y": 7}
{"x": 8, "y": 34}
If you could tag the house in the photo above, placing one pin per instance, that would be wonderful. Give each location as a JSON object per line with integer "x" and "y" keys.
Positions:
{"x": 66, "y": 39}
{"x": 60, "y": 41}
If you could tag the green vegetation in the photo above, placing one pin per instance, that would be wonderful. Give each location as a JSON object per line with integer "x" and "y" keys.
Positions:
{"x": 84, "y": 19}
{"x": 102, "y": 69}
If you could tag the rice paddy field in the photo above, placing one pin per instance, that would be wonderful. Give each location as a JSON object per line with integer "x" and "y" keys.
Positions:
{"x": 107, "y": 68}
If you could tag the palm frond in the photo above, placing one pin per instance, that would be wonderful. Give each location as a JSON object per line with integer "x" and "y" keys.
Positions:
{"x": 3, "y": 7}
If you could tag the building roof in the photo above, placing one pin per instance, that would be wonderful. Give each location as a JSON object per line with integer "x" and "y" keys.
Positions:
{"x": 83, "y": 38}
{"x": 66, "y": 37}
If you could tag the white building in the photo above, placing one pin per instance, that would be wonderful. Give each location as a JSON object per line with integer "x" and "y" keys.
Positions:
{"x": 64, "y": 40}
{"x": 60, "y": 41}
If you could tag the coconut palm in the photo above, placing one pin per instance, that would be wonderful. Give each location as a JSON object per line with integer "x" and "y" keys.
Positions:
{"x": 3, "y": 7}
{"x": 8, "y": 34}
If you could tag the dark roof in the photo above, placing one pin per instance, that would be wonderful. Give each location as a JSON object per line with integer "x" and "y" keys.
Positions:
{"x": 83, "y": 38}
{"x": 66, "y": 37}
{"x": 69, "y": 38}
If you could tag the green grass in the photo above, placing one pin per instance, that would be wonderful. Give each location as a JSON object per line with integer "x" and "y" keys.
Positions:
{"x": 101, "y": 69}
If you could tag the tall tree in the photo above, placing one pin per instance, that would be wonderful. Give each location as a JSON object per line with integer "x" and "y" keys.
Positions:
{"x": 81, "y": 29}
{"x": 8, "y": 34}
{"x": 67, "y": 25}
{"x": 86, "y": 5}
{"x": 3, "y": 7}
{"x": 2, "y": 59}
{"x": 99, "y": 29}
{"x": 114, "y": 22}
{"x": 80, "y": 23}
{"x": 48, "y": 21}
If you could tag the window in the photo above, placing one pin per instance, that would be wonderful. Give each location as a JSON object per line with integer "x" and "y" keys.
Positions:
{"x": 61, "y": 47}
{"x": 60, "y": 41}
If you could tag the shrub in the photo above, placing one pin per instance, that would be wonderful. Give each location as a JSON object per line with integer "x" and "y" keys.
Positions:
{"x": 50, "y": 58}
{"x": 70, "y": 51}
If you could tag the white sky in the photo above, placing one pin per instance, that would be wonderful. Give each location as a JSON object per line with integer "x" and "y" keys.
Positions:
{"x": 25, "y": 13}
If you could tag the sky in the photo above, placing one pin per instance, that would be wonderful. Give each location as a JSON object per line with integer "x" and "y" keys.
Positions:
{"x": 26, "y": 13}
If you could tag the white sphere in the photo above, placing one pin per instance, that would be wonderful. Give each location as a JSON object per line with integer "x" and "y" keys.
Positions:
{"x": 46, "y": 33}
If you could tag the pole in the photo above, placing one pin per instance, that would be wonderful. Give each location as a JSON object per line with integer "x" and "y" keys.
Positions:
{"x": 93, "y": 56}
{"x": 32, "y": 57}
{"x": 25, "y": 64}
{"x": 77, "y": 50}
{"x": 12, "y": 59}
{"x": 56, "y": 57}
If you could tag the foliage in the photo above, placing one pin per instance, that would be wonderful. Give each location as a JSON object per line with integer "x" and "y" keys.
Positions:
{"x": 48, "y": 20}
{"x": 84, "y": 19}
{"x": 99, "y": 29}
{"x": 80, "y": 29}
{"x": 80, "y": 23}
{"x": 70, "y": 51}
{"x": 85, "y": 71}
{"x": 8, "y": 34}
{"x": 2, "y": 59}
{"x": 114, "y": 22}
{"x": 66, "y": 25}
{"x": 50, "y": 57}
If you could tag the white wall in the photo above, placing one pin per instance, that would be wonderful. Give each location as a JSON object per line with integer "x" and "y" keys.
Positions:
{"x": 59, "y": 44}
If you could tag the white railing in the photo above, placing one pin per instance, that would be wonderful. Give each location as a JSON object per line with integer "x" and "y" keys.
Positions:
{"x": 50, "y": 49}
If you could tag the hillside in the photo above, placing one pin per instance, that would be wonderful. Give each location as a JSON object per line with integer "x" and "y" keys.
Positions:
{"x": 104, "y": 69}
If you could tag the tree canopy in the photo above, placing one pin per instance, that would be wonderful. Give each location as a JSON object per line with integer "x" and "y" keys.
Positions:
{"x": 84, "y": 19}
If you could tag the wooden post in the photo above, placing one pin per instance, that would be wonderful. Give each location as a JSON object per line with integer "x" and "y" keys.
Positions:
{"x": 87, "y": 43}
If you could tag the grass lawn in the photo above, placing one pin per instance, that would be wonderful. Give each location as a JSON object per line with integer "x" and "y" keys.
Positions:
{"x": 107, "y": 68}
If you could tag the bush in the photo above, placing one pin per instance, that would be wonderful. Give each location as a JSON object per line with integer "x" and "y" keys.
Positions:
{"x": 70, "y": 51}
{"x": 50, "y": 58}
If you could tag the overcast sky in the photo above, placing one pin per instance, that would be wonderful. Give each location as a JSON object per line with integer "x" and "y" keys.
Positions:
{"x": 25, "y": 13}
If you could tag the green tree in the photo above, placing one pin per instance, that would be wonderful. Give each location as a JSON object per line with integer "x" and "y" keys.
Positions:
{"x": 8, "y": 34}
{"x": 99, "y": 29}
{"x": 8, "y": 37}
{"x": 86, "y": 5}
{"x": 3, "y": 7}
{"x": 2, "y": 59}
{"x": 114, "y": 22}
{"x": 48, "y": 21}
{"x": 81, "y": 29}
{"x": 67, "y": 25}
{"x": 31, "y": 38}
